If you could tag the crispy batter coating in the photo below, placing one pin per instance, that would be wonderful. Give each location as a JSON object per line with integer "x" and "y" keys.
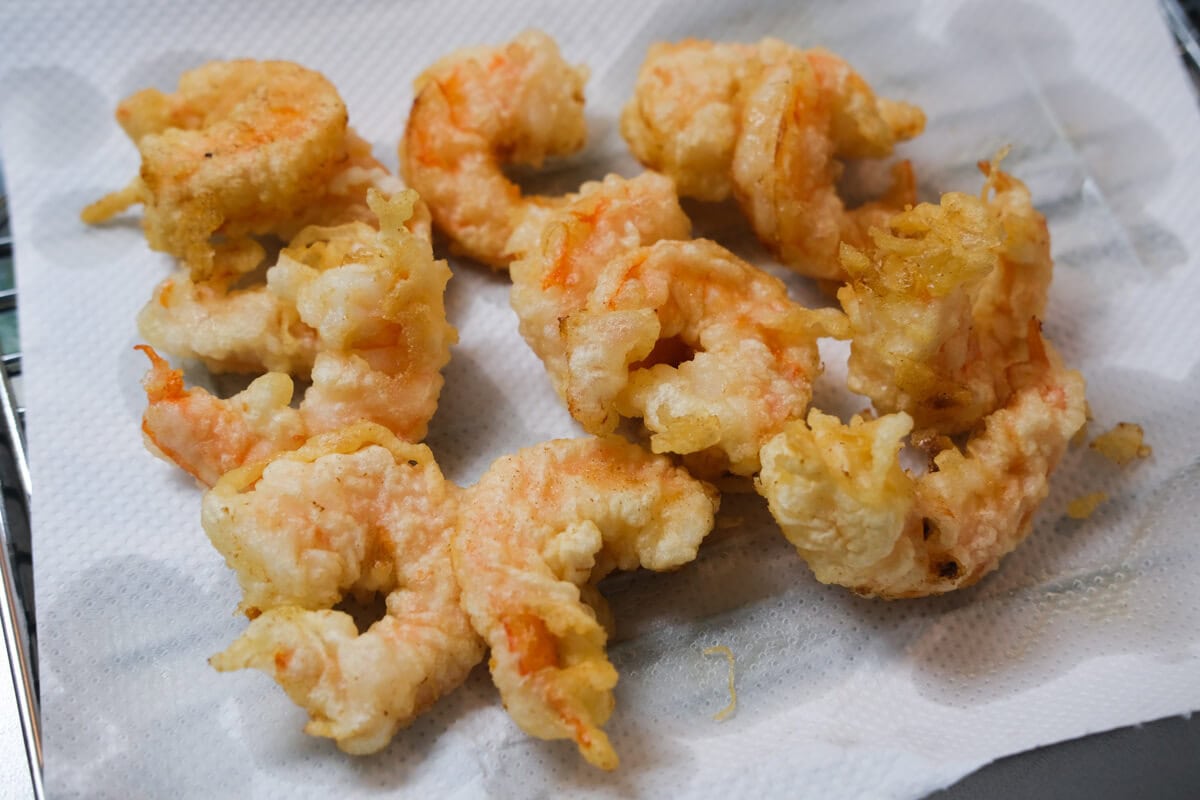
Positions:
{"x": 1016, "y": 290}
{"x": 231, "y": 330}
{"x": 771, "y": 123}
{"x": 859, "y": 520}
{"x": 235, "y": 324}
{"x": 940, "y": 305}
{"x": 355, "y": 512}
{"x": 540, "y": 527}
{"x": 343, "y": 199}
{"x": 241, "y": 148}
{"x": 374, "y": 301}
{"x": 705, "y": 349}
{"x": 477, "y": 110}
{"x": 808, "y": 111}
{"x": 572, "y": 245}
{"x": 911, "y": 307}
{"x": 684, "y": 116}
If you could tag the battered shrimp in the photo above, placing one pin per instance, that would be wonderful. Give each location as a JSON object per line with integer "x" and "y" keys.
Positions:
{"x": 541, "y": 526}
{"x": 707, "y": 350}
{"x": 234, "y": 324}
{"x": 940, "y": 307}
{"x": 230, "y": 330}
{"x": 806, "y": 112}
{"x": 573, "y": 245}
{"x": 684, "y": 116}
{"x": 477, "y": 110}
{"x": 374, "y": 300}
{"x": 240, "y": 148}
{"x": 861, "y": 521}
{"x": 770, "y": 123}
{"x": 355, "y": 512}
{"x": 207, "y": 436}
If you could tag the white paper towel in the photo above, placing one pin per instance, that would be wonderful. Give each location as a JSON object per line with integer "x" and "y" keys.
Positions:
{"x": 1090, "y": 625}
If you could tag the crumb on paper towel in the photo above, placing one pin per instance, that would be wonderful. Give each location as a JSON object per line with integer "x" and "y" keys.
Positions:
{"x": 1081, "y": 435}
{"x": 1122, "y": 444}
{"x": 728, "y": 710}
{"x": 1083, "y": 506}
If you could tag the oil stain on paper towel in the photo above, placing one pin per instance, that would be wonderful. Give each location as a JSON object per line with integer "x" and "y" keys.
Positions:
{"x": 1118, "y": 582}
{"x": 138, "y": 728}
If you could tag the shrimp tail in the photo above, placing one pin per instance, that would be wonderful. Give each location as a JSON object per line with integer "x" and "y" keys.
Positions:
{"x": 114, "y": 203}
{"x": 162, "y": 383}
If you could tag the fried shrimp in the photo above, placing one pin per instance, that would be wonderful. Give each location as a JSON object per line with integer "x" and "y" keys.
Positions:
{"x": 572, "y": 246}
{"x": 241, "y": 148}
{"x": 236, "y": 325}
{"x": 631, "y": 322}
{"x": 940, "y": 305}
{"x": 207, "y": 436}
{"x": 805, "y": 113}
{"x": 230, "y": 330}
{"x": 355, "y": 512}
{"x": 684, "y": 117}
{"x": 859, "y": 520}
{"x": 374, "y": 302}
{"x": 705, "y": 349}
{"x": 770, "y": 123}
{"x": 475, "y": 111}
{"x": 541, "y": 526}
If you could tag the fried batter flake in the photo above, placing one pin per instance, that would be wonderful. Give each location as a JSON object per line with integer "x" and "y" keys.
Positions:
{"x": 1084, "y": 506}
{"x": 1122, "y": 444}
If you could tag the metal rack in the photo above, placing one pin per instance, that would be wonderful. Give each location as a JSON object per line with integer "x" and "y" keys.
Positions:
{"x": 17, "y": 619}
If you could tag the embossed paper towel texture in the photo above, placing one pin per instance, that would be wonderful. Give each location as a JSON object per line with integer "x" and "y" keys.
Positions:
{"x": 1089, "y": 625}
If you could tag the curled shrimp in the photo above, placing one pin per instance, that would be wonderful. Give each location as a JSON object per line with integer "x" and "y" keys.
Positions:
{"x": 234, "y": 324}
{"x": 207, "y": 436}
{"x": 540, "y": 528}
{"x": 805, "y": 113}
{"x": 706, "y": 349}
{"x": 229, "y": 330}
{"x": 940, "y": 304}
{"x": 570, "y": 247}
{"x": 770, "y": 123}
{"x": 241, "y": 148}
{"x": 475, "y": 111}
{"x": 374, "y": 300}
{"x": 859, "y": 520}
{"x": 684, "y": 116}
{"x": 354, "y": 512}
